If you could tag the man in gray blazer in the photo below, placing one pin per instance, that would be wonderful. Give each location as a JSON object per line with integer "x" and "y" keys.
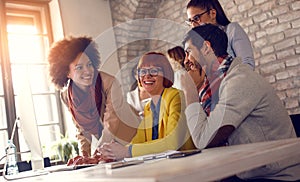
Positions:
{"x": 237, "y": 105}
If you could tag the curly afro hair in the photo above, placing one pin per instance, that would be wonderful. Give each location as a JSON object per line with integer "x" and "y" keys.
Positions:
{"x": 64, "y": 52}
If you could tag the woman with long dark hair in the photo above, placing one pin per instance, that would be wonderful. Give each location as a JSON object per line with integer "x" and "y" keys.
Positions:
{"x": 210, "y": 11}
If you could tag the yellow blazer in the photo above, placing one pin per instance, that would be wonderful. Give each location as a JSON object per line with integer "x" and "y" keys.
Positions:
{"x": 173, "y": 133}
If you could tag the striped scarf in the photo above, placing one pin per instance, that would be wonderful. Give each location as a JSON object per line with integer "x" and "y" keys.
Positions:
{"x": 212, "y": 83}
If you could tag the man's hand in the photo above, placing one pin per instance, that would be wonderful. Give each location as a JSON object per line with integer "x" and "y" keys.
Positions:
{"x": 189, "y": 88}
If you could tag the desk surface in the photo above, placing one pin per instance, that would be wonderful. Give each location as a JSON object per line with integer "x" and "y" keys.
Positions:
{"x": 211, "y": 164}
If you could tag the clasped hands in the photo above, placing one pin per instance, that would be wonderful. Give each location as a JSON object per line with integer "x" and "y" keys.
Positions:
{"x": 113, "y": 151}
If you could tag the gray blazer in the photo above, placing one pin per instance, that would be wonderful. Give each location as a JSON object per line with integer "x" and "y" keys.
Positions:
{"x": 239, "y": 44}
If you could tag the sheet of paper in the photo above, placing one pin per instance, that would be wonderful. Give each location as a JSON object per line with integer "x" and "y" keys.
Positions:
{"x": 94, "y": 144}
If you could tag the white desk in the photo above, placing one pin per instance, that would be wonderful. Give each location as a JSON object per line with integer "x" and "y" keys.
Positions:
{"x": 211, "y": 164}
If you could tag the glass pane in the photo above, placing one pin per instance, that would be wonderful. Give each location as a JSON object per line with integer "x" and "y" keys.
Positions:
{"x": 2, "y": 105}
{"x": 49, "y": 135}
{"x": 38, "y": 78}
{"x": 18, "y": 73}
{"x": 1, "y": 84}
{"x": 39, "y": 74}
{"x": 45, "y": 109}
{"x": 3, "y": 142}
{"x": 3, "y": 123}
{"x": 25, "y": 46}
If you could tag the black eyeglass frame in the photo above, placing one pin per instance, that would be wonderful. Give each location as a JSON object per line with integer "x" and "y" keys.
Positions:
{"x": 196, "y": 18}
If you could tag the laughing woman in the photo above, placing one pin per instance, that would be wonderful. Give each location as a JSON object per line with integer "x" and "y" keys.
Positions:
{"x": 164, "y": 124}
{"x": 88, "y": 93}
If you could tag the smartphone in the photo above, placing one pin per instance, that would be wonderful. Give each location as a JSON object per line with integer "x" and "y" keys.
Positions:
{"x": 184, "y": 153}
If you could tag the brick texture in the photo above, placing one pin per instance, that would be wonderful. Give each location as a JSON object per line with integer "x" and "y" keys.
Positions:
{"x": 273, "y": 27}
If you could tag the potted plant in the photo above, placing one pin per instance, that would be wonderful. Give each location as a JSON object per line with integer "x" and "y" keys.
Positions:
{"x": 64, "y": 149}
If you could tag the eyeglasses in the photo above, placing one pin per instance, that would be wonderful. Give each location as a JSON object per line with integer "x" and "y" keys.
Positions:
{"x": 151, "y": 71}
{"x": 195, "y": 19}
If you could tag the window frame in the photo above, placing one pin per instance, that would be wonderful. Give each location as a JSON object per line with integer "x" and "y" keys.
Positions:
{"x": 15, "y": 6}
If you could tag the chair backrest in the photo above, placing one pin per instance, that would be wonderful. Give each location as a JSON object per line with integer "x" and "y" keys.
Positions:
{"x": 296, "y": 122}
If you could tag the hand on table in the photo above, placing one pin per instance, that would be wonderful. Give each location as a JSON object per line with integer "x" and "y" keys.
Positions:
{"x": 79, "y": 160}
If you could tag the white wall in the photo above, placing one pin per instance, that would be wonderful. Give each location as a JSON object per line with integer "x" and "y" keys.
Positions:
{"x": 56, "y": 23}
{"x": 92, "y": 18}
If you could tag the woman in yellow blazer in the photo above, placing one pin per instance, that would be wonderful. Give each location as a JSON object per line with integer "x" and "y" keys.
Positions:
{"x": 164, "y": 124}
{"x": 172, "y": 129}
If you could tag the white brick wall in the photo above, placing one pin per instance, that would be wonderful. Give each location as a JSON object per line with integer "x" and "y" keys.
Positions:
{"x": 273, "y": 27}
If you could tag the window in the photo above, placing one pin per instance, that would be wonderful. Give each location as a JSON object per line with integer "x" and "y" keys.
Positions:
{"x": 27, "y": 37}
